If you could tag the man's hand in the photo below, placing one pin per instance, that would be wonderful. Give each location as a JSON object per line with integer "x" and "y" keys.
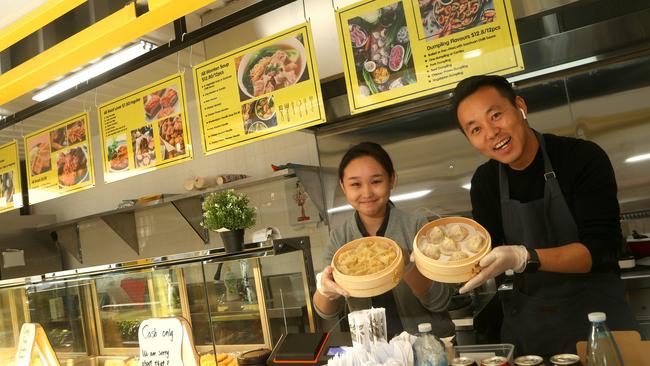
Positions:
{"x": 327, "y": 287}
{"x": 496, "y": 262}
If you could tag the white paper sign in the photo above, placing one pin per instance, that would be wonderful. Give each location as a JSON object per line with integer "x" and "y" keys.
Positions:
{"x": 25, "y": 344}
{"x": 160, "y": 342}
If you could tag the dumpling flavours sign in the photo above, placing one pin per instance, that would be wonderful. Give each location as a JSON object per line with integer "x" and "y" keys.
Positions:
{"x": 10, "y": 186}
{"x": 261, "y": 90}
{"x": 145, "y": 130}
{"x": 394, "y": 51}
{"x": 59, "y": 159}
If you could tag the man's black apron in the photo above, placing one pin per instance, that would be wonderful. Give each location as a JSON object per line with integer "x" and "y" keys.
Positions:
{"x": 546, "y": 313}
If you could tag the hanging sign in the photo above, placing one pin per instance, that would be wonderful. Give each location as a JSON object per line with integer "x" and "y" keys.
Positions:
{"x": 394, "y": 51}
{"x": 145, "y": 130}
{"x": 261, "y": 90}
{"x": 59, "y": 159}
{"x": 10, "y": 186}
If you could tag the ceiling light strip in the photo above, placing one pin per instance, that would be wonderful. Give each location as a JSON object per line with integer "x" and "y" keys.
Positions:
{"x": 35, "y": 20}
{"x": 95, "y": 41}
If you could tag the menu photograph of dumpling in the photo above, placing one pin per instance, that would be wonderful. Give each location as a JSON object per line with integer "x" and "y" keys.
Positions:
{"x": 145, "y": 130}
{"x": 59, "y": 158}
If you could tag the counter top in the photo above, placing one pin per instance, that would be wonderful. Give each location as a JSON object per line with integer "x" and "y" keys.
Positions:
{"x": 639, "y": 271}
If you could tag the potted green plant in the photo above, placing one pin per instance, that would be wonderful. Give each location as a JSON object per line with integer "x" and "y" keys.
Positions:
{"x": 229, "y": 214}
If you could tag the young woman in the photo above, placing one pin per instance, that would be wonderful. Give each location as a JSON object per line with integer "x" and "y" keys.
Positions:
{"x": 367, "y": 176}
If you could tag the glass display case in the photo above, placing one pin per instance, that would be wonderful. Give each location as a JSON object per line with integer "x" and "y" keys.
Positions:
{"x": 95, "y": 313}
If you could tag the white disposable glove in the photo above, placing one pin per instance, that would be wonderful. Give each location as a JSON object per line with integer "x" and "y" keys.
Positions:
{"x": 326, "y": 285}
{"x": 499, "y": 260}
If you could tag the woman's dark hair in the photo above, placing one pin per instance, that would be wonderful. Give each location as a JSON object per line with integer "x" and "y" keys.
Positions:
{"x": 471, "y": 84}
{"x": 371, "y": 149}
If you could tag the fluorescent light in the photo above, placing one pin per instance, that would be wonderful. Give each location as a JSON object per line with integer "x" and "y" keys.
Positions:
{"x": 410, "y": 196}
{"x": 339, "y": 209}
{"x": 637, "y": 158}
{"x": 397, "y": 198}
{"x": 467, "y": 186}
{"x": 97, "y": 68}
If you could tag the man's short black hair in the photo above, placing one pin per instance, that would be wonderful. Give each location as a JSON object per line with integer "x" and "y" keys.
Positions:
{"x": 470, "y": 85}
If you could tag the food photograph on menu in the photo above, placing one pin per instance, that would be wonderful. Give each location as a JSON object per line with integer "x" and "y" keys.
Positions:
{"x": 282, "y": 64}
{"x": 259, "y": 115}
{"x": 75, "y": 132}
{"x": 72, "y": 165}
{"x": 172, "y": 137}
{"x": 382, "y": 50}
{"x": 7, "y": 187}
{"x": 40, "y": 158}
{"x": 117, "y": 153}
{"x": 58, "y": 139}
{"x": 161, "y": 103}
{"x": 441, "y": 18}
{"x": 144, "y": 147}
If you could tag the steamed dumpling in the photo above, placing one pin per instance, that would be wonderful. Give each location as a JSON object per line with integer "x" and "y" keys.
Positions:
{"x": 457, "y": 232}
{"x": 430, "y": 250}
{"x": 456, "y": 256}
{"x": 475, "y": 243}
{"x": 448, "y": 246}
{"x": 435, "y": 235}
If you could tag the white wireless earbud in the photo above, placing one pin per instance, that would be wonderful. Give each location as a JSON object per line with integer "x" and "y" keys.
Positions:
{"x": 523, "y": 114}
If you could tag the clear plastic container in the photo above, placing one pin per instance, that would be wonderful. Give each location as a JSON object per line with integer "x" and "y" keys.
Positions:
{"x": 429, "y": 351}
{"x": 601, "y": 346}
{"x": 479, "y": 352}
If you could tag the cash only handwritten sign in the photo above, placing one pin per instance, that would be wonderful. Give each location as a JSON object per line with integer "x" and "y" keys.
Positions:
{"x": 161, "y": 342}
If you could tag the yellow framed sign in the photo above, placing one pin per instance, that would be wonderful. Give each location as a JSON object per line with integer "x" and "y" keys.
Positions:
{"x": 10, "y": 184}
{"x": 59, "y": 159}
{"x": 145, "y": 130}
{"x": 394, "y": 51}
{"x": 260, "y": 90}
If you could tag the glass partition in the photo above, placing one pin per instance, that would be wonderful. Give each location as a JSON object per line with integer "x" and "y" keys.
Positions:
{"x": 58, "y": 307}
{"x": 126, "y": 299}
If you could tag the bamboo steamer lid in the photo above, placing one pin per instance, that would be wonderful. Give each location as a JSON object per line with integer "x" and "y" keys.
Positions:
{"x": 457, "y": 271}
{"x": 373, "y": 284}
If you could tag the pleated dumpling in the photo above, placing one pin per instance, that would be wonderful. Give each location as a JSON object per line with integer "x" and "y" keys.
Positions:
{"x": 448, "y": 246}
{"x": 457, "y": 232}
{"x": 430, "y": 250}
{"x": 435, "y": 235}
{"x": 456, "y": 256}
{"x": 475, "y": 243}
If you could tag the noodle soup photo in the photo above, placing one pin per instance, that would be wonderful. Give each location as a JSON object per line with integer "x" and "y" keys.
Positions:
{"x": 272, "y": 68}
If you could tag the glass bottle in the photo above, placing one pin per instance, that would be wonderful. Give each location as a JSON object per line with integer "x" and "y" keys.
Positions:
{"x": 601, "y": 346}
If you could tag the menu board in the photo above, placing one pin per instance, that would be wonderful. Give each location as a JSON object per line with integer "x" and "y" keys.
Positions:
{"x": 261, "y": 90}
{"x": 60, "y": 159}
{"x": 145, "y": 130}
{"x": 10, "y": 186}
{"x": 394, "y": 51}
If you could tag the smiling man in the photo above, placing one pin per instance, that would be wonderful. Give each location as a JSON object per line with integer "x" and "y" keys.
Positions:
{"x": 549, "y": 203}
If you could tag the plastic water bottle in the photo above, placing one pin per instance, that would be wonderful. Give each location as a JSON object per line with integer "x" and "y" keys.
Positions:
{"x": 428, "y": 350}
{"x": 601, "y": 346}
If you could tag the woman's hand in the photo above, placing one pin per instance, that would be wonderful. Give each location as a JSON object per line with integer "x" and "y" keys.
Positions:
{"x": 327, "y": 287}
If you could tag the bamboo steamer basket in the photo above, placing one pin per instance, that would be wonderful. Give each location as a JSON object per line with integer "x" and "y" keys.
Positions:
{"x": 450, "y": 271}
{"x": 373, "y": 284}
